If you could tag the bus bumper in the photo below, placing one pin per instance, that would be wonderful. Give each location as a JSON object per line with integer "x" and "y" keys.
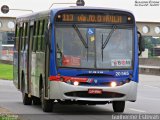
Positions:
{"x": 64, "y": 91}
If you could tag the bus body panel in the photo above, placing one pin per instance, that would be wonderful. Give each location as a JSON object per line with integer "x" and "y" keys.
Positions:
{"x": 53, "y": 70}
{"x": 60, "y": 88}
{"x": 136, "y": 59}
{"x": 15, "y": 69}
{"x": 22, "y": 68}
{"x": 37, "y": 70}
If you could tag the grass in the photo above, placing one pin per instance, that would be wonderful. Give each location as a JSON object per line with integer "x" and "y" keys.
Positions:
{"x": 6, "y": 71}
{"x": 8, "y": 117}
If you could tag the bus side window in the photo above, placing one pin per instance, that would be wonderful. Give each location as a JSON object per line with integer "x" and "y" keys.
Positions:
{"x": 17, "y": 37}
{"x": 34, "y": 37}
{"x": 43, "y": 32}
{"x": 39, "y": 35}
{"x": 26, "y": 34}
{"x": 20, "y": 36}
{"x": 23, "y": 37}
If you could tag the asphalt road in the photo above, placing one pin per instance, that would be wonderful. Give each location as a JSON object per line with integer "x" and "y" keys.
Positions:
{"x": 148, "y": 102}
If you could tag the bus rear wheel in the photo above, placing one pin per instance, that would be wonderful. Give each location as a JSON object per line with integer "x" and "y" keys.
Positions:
{"x": 46, "y": 104}
{"x": 118, "y": 106}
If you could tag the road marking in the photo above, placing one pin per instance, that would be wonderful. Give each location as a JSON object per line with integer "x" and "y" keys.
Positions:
{"x": 151, "y": 86}
{"x": 137, "y": 110}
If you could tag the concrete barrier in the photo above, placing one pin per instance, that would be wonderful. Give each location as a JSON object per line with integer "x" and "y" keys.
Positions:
{"x": 6, "y": 62}
{"x": 150, "y": 66}
{"x": 149, "y": 61}
{"x": 149, "y": 70}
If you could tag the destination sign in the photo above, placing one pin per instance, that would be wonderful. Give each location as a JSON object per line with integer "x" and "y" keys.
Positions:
{"x": 93, "y": 18}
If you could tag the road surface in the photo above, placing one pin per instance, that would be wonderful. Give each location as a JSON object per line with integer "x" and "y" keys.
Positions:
{"x": 148, "y": 102}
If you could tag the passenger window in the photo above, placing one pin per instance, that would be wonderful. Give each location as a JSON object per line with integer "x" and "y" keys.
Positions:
{"x": 17, "y": 37}
{"x": 20, "y": 37}
{"x": 34, "y": 37}
{"x": 25, "y": 34}
{"x": 43, "y": 33}
{"x": 39, "y": 35}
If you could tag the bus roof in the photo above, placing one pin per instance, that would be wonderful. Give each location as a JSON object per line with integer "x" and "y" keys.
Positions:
{"x": 89, "y": 8}
{"x": 55, "y": 10}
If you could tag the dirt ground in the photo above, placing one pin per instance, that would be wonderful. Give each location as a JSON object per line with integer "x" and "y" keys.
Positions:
{"x": 7, "y": 115}
{"x": 4, "y": 111}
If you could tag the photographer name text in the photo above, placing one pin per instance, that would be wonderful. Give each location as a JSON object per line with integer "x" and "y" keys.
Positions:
{"x": 147, "y": 3}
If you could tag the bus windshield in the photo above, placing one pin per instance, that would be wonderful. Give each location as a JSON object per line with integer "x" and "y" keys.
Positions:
{"x": 94, "y": 47}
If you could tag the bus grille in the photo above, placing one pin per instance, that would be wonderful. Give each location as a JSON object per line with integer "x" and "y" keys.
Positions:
{"x": 84, "y": 94}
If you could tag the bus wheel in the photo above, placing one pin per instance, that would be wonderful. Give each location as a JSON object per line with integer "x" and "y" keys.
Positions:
{"x": 36, "y": 101}
{"x": 46, "y": 104}
{"x": 26, "y": 100}
{"x": 118, "y": 106}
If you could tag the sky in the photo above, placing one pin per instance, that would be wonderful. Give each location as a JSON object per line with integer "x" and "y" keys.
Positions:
{"x": 142, "y": 13}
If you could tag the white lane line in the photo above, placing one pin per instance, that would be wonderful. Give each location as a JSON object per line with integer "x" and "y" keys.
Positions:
{"x": 151, "y": 86}
{"x": 137, "y": 110}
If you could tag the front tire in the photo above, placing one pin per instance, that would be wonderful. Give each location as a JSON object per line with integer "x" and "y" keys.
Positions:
{"x": 118, "y": 106}
{"x": 47, "y": 105}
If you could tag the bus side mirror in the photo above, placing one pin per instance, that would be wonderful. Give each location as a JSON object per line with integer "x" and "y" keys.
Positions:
{"x": 141, "y": 43}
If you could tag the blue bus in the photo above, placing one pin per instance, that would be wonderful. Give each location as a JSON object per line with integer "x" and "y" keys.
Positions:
{"x": 77, "y": 55}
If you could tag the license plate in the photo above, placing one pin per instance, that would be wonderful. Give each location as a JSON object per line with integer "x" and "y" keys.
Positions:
{"x": 94, "y": 91}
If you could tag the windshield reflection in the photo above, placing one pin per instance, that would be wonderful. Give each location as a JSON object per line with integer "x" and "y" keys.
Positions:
{"x": 71, "y": 51}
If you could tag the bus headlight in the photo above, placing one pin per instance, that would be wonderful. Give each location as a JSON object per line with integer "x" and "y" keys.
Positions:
{"x": 76, "y": 83}
{"x": 113, "y": 84}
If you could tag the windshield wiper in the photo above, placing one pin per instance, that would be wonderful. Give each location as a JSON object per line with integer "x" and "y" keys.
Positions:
{"x": 108, "y": 37}
{"x": 102, "y": 47}
{"x": 80, "y": 36}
